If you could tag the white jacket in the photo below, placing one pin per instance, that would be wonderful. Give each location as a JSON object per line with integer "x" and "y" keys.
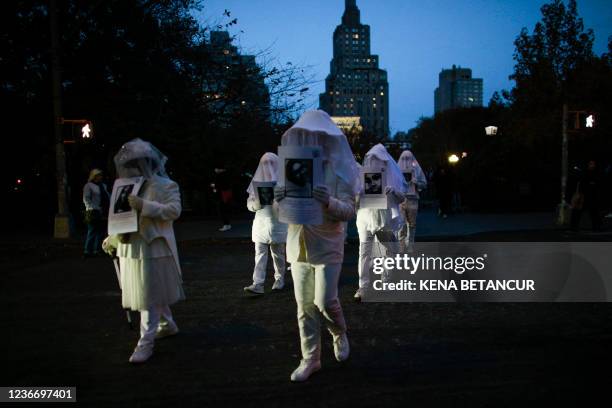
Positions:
{"x": 324, "y": 244}
{"x": 266, "y": 229}
{"x": 161, "y": 206}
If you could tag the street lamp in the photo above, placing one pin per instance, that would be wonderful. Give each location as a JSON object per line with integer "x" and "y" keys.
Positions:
{"x": 453, "y": 158}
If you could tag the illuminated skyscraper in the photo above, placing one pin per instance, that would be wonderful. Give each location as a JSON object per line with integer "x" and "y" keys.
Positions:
{"x": 355, "y": 86}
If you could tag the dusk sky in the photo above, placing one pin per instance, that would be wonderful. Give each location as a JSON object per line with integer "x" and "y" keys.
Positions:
{"x": 414, "y": 40}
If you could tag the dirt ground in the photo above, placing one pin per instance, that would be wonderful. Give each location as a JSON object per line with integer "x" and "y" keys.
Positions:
{"x": 62, "y": 325}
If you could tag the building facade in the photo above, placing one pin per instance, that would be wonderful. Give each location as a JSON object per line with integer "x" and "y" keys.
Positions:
{"x": 234, "y": 83}
{"x": 356, "y": 86}
{"x": 457, "y": 89}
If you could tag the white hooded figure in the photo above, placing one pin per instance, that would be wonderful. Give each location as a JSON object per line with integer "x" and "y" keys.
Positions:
{"x": 316, "y": 252}
{"x": 380, "y": 224}
{"x": 150, "y": 271}
{"x": 268, "y": 233}
{"x": 410, "y": 207}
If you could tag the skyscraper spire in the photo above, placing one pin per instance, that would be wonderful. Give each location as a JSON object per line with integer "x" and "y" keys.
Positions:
{"x": 351, "y": 16}
{"x": 356, "y": 89}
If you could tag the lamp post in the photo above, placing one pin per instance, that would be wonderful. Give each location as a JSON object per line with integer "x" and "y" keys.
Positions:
{"x": 62, "y": 218}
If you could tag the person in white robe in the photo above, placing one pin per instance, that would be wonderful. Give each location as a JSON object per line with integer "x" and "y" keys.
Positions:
{"x": 378, "y": 228}
{"x": 410, "y": 206}
{"x": 267, "y": 233}
{"x": 150, "y": 271}
{"x": 316, "y": 252}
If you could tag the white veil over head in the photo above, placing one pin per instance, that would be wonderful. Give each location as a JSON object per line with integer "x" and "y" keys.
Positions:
{"x": 267, "y": 170}
{"x": 407, "y": 162}
{"x": 315, "y": 128}
{"x": 395, "y": 178}
{"x": 140, "y": 158}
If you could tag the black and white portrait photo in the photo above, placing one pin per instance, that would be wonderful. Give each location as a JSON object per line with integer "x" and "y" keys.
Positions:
{"x": 121, "y": 203}
{"x": 266, "y": 195}
{"x": 373, "y": 183}
{"x": 408, "y": 176}
{"x": 299, "y": 177}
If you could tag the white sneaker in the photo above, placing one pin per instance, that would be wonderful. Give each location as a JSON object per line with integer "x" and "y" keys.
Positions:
{"x": 358, "y": 295}
{"x": 226, "y": 227}
{"x": 279, "y": 284}
{"x": 341, "y": 347}
{"x": 305, "y": 370}
{"x": 141, "y": 354}
{"x": 166, "y": 331}
{"x": 256, "y": 289}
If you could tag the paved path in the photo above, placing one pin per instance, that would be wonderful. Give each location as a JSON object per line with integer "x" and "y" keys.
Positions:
{"x": 429, "y": 225}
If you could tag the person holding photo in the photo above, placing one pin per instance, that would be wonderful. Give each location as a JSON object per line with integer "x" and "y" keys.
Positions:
{"x": 267, "y": 233}
{"x": 150, "y": 272}
{"x": 410, "y": 206}
{"x": 316, "y": 252}
{"x": 382, "y": 224}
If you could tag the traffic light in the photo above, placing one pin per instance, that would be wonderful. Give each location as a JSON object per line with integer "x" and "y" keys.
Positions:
{"x": 581, "y": 120}
{"x": 87, "y": 131}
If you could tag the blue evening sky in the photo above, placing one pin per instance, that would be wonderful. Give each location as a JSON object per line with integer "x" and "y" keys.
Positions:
{"x": 414, "y": 39}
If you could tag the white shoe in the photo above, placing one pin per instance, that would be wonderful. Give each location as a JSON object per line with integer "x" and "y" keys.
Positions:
{"x": 166, "y": 331}
{"x": 279, "y": 284}
{"x": 141, "y": 354}
{"x": 341, "y": 347}
{"x": 256, "y": 289}
{"x": 226, "y": 227}
{"x": 358, "y": 295}
{"x": 305, "y": 370}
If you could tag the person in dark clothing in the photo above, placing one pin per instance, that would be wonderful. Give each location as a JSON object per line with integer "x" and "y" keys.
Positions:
{"x": 223, "y": 189}
{"x": 444, "y": 189}
{"x": 587, "y": 197}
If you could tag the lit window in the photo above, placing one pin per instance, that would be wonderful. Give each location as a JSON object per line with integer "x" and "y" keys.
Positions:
{"x": 382, "y": 94}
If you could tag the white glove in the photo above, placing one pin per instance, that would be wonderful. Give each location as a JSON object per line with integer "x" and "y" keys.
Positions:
{"x": 279, "y": 193}
{"x": 321, "y": 193}
{"x": 109, "y": 245}
{"x": 135, "y": 202}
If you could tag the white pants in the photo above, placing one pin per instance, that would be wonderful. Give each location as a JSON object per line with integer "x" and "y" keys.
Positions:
{"x": 316, "y": 295}
{"x": 387, "y": 246}
{"x": 261, "y": 261}
{"x": 150, "y": 320}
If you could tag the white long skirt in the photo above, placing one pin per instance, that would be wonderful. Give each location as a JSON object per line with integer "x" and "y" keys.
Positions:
{"x": 150, "y": 282}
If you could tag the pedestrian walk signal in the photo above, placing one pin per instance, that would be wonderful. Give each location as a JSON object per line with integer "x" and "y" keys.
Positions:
{"x": 590, "y": 121}
{"x": 583, "y": 120}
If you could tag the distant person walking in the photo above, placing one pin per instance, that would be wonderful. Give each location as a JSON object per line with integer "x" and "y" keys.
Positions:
{"x": 268, "y": 233}
{"x": 223, "y": 190}
{"x": 587, "y": 197}
{"x": 95, "y": 199}
{"x": 417, "y": 181}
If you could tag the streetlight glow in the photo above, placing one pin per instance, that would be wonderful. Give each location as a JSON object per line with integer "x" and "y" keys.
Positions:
{"x": 453, "y": 158}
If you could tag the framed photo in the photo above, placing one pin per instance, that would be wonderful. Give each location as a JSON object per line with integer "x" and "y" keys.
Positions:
{"x": 408, "y": 176}
{"x": 121, "y": 217}
{"x": 374, "y": 181}
{"x": 301, "y": 170}
{"x": 298, "y": 178}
